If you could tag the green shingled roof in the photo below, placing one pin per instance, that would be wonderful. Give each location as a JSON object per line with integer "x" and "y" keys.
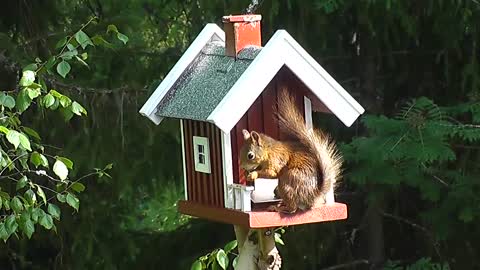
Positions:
{"x": 204, "y": 84}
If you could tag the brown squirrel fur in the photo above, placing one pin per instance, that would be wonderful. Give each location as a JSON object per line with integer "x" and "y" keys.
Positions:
{"x": 307, "y": 166}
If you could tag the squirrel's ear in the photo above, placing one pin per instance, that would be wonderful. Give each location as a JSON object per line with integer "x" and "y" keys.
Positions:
{"x": 246, "y": 134}
{"x": 255, "y": 137}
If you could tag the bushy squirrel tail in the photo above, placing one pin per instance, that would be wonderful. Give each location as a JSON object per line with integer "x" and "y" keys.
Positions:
{"x": 292, "y": 123}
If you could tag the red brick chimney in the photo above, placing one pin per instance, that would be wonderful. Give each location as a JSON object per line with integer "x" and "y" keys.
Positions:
{"x": 241, "y": 31}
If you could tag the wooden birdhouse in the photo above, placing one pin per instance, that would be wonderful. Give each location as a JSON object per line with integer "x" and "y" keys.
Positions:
{"x": 225, "y": 82}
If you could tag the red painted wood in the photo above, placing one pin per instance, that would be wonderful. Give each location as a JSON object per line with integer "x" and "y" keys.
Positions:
{"x": 204, "y": 188}
{"x": 255, "y": 116}
{"x": 262, "y": 218}
{"x": 241, "y": 31}
{"x": 242, "y": 124}
{"x": 269, "y": 102}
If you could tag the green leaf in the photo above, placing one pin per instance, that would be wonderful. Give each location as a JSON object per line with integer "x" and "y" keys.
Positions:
{"x": 234, "y": 263}
{"x": 28, "y": 77}
{"x": 54, "y": 211}
{"x": 38, "y": 159}
{"x": 78, "y": 187}
{"x": 66, "y": 161}
{"x": 65, "y": 101}
{"x": 23, "y": 101}
{"x": 16, "y": 205}
{"x": 278, "y": 239}
{"x": 24, "y": 142}
{"x": 61, "y": 198}
{"x": 68, "y": 55}
{"x": 67, "y": 113}
{"x": 31, "y": 67}
{"x": 22, "y": 182}
{"x": 30, "y": 196}
{"x": 13, "y": 137}
{"x": 61, "y": 43}
{"x": 4, "y": 129}
{"x": 36, "y": 214}
{"x": 84, "y": 56}
{"x": 3, "y": 232}
{"x": 48, "y": 100}
{"x": 112, "y": 28}
{"x": 197, "y": 265}
{"x": 60, "y": 169}
{"x": 7, "y": 101}
{"x": 41, "y": 193}
{"x": 28, "y": 228}
{"x": 222, "y": 259}
{"x": 11, "y": 224}
{"x": 46, "y": 221}
{"x": 100, "y": 41}
{"x": 230, "y": 246}
{"x": 83, "y": 39}
{"x": 78, "y": 109}
{"x": 31, "y": 133}
{"x": 73, "y": 201}
{"x": 33, "y": 92}
{"x": 122, "y": 37}
{"x": 63, "y": 68}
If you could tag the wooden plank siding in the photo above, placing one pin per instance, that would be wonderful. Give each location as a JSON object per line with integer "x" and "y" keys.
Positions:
{"x": 260, "y": 116}
{"x": 204, "y": 188}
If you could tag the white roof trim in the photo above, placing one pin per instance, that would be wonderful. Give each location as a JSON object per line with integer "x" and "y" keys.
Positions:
{"x": 281, "y": 50}
{"x": 211, "y": 32}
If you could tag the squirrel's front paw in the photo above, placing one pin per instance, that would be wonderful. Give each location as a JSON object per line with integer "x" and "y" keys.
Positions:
{"x": 251, "y": 176}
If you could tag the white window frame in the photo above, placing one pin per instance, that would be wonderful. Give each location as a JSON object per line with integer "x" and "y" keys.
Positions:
{"x": 201, "y": 167}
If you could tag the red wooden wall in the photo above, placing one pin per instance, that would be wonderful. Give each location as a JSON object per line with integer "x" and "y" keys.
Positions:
{"x": 260, "y": 115}
{"x": 202, "y": 187}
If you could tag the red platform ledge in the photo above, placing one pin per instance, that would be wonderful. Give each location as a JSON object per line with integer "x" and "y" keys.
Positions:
{"x": 261, "y": 218}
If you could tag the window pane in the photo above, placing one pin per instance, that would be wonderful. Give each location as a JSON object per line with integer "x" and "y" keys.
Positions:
{"x": 201, "y": 159}
{"x": 200, "y": 149}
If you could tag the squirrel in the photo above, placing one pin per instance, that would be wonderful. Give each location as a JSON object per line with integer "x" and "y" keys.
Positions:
{"x": 307, "y": 165}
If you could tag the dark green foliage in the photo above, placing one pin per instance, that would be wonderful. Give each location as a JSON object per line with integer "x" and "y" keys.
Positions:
{"x": 412, "y": 64}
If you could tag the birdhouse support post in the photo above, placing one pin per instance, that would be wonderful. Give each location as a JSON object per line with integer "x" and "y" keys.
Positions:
{"x": 257, "y": 250}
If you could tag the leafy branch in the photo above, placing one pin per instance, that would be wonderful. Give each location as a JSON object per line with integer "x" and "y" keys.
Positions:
{"x": 37, "y": 180}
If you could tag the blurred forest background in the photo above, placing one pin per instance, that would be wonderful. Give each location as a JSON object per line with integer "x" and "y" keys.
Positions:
{"x": 411, "y": 177}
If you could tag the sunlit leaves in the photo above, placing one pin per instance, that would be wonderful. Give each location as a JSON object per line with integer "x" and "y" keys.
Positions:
{"x": 78, "y": 109}
{"x": 48, "y": 100}
{"x": 13, "y": 137}
{"x": 38, "y": 183}
{"x": 28, "y": 77}
{"x": 38, "y": 159}
{"x": 41, "y": 193}
{"x": 60, "y": 169}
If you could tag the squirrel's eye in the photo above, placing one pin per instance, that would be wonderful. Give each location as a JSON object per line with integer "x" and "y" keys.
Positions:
{"x": 251, "y": 155}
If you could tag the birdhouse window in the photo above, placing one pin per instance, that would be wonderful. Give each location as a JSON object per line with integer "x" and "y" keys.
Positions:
{"x": 201, "y": 154}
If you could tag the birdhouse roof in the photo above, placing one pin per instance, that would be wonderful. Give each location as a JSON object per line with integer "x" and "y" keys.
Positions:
{"x": 207, "y": 85}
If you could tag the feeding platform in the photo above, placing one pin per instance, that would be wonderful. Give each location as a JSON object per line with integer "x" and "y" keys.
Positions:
{"x": 261, "y": 218}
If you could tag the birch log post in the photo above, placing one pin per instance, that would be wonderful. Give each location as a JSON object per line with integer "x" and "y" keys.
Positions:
{"x": 257, "y": 249}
